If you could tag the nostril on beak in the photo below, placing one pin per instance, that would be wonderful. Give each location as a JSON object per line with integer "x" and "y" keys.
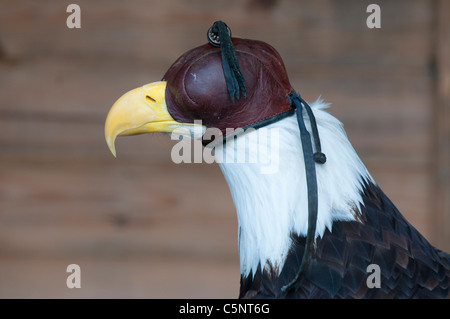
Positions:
{"x": 150, "y": 99}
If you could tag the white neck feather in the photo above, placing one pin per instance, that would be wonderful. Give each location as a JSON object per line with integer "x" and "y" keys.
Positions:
{"x": 271, "y": 195}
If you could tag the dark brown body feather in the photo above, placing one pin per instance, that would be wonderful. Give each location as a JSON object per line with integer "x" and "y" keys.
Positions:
{"x": 410, "y": 266}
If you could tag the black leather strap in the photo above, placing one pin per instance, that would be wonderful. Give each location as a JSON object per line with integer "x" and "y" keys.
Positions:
{"x": 311, "y": 180}
{"x": 257, "y": 125}
{"x": 220, "y": 35}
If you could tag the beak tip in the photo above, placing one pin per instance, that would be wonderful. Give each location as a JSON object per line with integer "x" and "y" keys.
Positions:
{"x": 113, "y": 151}
{"x": 111, "y": 146}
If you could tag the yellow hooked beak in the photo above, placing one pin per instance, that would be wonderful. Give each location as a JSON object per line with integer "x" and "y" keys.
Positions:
{"x": 144, "y": 110}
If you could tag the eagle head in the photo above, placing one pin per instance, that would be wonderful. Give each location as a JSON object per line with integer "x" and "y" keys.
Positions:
{"x": 198, "y": 86}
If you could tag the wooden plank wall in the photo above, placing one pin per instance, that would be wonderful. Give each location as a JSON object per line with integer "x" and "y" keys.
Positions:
{"x": 141, "y": 226}
{"x": 442, "y": 127}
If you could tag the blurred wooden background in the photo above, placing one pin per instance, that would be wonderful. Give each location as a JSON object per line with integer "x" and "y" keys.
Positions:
{"x": 140, "y": 226}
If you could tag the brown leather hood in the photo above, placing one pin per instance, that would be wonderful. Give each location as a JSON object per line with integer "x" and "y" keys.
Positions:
{"x": 196, "y": 88}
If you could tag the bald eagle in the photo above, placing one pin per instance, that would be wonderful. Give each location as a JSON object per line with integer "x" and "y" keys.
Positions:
{"x": 305, "y": 230}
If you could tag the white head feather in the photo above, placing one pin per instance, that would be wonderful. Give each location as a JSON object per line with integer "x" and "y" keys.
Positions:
{"x": 271, "y": 195}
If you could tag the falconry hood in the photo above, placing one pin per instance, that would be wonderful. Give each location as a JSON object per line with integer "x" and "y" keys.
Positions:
{"x": 228, "y": 83}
